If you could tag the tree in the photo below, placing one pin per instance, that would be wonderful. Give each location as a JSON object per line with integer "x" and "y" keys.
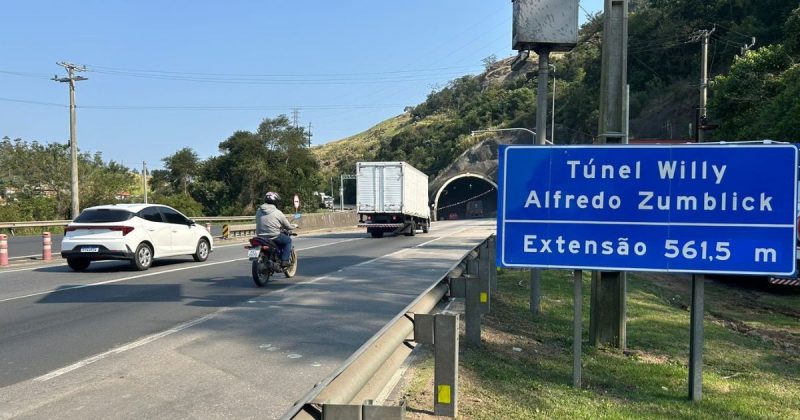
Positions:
{"x": 182, "y": 167}
{"x": 273, "y": 158}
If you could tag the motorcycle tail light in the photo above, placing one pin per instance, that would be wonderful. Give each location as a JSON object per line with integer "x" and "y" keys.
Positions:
{"x": 254, "y": 242}
{"x": 265, "y": 248}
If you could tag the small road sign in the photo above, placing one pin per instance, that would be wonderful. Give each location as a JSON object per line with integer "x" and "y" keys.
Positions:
{"x": 675, "y": 208}
{"x": 296, "y": 201}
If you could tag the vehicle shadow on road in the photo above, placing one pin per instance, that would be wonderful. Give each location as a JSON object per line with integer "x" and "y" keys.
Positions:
{"x": 114, "y": 266}
{"x": 114, "y": 293}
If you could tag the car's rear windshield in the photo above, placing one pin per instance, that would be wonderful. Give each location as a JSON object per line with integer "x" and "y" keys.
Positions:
{"x": 103, "y": 216}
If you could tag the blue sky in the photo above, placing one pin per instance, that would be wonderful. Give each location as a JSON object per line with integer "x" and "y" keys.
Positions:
{"x": 164, "y": 75}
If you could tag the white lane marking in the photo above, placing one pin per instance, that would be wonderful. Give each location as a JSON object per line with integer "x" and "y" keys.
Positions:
{"x": 202, "y": 319}
{"x": 155, "y": 273}
{"x": 118, "y": 350}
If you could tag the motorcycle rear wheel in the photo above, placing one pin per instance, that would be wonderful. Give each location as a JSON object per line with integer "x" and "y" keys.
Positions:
{"x": 261, "y": 271}
{"x": 292, "y": 269}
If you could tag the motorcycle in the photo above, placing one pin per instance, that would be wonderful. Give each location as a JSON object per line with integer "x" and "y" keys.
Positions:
{"x": 266, "y": 258}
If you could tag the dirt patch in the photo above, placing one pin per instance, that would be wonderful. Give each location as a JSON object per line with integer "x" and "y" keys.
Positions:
{"x": 742, "y": 300}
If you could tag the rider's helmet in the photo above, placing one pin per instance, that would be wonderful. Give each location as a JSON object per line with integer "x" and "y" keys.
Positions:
{"x": 272, "y": 198}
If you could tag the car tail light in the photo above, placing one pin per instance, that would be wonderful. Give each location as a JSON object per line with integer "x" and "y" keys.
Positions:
{"x": 124, "y": 229}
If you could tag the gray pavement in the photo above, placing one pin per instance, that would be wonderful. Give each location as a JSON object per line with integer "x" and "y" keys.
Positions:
{"x": 199, "y": 340}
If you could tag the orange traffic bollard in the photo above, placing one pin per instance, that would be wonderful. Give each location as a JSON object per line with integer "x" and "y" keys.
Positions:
{"x": 46, "y": 246}
{"x": 3, "y": 250}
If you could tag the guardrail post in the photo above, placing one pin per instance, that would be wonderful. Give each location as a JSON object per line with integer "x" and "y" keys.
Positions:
{"x": 445, "y": 369}
{"x": 3, "y": 250}
{"x": 226, "y": 231}
{"x": 493, "y": 263}
{"x": 341, "y": 412}
{"x": 381, "y": 412}
{"x": 477, "y": 304}
{"x": 208, "y": 227}
{"x": 47, "y": 248}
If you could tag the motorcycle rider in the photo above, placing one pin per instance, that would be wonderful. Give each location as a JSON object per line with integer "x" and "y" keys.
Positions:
{"x": 270, "y": 223}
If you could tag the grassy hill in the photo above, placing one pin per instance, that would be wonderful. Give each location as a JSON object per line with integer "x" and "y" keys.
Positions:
{"x": 753, "y": 95}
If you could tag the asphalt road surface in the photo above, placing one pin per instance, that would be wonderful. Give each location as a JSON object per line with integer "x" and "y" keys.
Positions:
{"x": 187, "y": 339}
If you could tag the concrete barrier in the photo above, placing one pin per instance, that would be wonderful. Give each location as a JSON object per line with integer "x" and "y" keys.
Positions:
{"x": 306, "y": 223}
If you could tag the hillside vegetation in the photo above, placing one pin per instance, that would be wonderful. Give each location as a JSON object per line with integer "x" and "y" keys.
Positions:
{"x": 752, "y": 96}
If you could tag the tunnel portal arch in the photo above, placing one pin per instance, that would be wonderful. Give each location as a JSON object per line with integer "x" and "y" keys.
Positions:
{"x": 466, "y": 195}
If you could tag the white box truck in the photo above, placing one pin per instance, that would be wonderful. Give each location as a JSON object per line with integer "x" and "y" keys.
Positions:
{"x": 392, "y": 197}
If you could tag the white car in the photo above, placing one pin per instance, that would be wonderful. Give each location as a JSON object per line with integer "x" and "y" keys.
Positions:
{"x": 135, "y": 232}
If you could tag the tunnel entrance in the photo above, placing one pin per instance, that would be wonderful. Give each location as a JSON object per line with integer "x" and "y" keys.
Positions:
{"x": 467, "y": 196}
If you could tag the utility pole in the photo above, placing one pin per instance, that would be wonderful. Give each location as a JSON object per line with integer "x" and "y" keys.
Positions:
{"x": 553, "y": 115}
{"x": 309, "y": 135}
{"x": 704, "y": 36}
{"x": 73, "y": 138}
{"x": 607, "y": 316}
{"x": 144, "y": 180}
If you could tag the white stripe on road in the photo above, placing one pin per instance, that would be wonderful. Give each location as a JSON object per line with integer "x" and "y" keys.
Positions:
{"x": 130, "y": 346}
{"x": 155, "y": 273}
{"x": 185, "y": 325}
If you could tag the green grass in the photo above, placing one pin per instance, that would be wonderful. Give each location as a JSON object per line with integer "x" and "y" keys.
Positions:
{"x": 750, "y": 368}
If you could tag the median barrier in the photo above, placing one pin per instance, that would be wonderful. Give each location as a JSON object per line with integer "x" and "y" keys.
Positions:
{"x": 306, "y": 223}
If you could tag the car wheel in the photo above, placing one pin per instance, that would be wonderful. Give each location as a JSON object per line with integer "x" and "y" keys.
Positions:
{"x": 78, "y": 264}
{"x": 201, "y": 254}
{"x": 143, "y": 258}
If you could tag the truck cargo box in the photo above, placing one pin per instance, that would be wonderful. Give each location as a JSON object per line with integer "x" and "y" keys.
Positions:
{"x": 391, "y": 187}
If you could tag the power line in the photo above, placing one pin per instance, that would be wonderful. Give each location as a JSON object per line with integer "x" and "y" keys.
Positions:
{"x": 203, "y": 108}
{"x": 258, "y": 75}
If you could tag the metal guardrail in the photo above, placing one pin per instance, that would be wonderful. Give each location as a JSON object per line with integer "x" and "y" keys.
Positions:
{"x": 12, "y": 225}
{"x": 45, "y": 223}
{"x": 355, "y": 374}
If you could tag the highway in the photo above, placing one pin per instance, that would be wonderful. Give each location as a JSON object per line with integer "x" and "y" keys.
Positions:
{"x": 187, "y": 339}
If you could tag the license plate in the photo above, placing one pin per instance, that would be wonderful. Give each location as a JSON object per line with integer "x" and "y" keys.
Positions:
{"x": 90, "y": 249}
{"x": 253, "y": 253}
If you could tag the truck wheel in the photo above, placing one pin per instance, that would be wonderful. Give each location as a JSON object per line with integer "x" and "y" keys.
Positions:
{"x": 376, "y": 233}
{"x": 426, "y": 227}
{"x": 413, "y": 228}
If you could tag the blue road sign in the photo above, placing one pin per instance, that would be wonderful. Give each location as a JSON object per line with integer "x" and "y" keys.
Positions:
{"x": 674, "y": 208}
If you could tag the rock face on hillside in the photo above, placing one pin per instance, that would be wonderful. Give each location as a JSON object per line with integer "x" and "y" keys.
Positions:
{"x": 480, "y": 159}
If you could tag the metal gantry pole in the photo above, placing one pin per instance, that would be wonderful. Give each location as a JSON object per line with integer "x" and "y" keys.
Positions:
{"x": 541, "y": 133}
